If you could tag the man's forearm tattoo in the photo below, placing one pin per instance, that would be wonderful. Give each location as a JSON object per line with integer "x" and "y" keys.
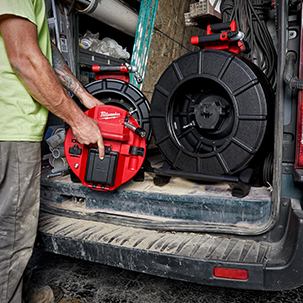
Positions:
{"x": 64, "y": 73}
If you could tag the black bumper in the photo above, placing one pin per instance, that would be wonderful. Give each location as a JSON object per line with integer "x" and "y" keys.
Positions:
{"x": 273, "y": 260}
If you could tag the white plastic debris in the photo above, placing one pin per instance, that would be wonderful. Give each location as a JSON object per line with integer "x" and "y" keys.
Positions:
{"x": 106, "y": 46}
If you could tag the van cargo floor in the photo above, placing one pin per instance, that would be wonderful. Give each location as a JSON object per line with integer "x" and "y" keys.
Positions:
{"x": 181, "y": 204}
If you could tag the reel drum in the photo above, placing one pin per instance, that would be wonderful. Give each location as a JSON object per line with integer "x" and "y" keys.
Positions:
{"x": 211, "y": 113}
{"x": 124, "y": 95}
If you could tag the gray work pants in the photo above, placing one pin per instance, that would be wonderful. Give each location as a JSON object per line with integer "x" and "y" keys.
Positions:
{"x": 20, "y": 168}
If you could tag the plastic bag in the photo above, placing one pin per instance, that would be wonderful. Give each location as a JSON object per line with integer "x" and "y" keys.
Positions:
{"x": 87, "y": 40}
{"x": 106, "y": 46}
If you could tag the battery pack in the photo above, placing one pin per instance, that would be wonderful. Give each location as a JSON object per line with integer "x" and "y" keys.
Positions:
{"x": 101, "y": 172}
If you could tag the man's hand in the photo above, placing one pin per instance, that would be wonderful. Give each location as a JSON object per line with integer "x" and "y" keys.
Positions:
{"x": 89, "y": 101}
{"x": 88, "y": 132}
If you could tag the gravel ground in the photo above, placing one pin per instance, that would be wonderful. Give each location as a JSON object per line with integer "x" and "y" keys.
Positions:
{"x": 86, "y": 282}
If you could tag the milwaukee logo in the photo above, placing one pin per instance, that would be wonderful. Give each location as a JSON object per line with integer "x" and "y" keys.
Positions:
{"x": 106, "y": 115}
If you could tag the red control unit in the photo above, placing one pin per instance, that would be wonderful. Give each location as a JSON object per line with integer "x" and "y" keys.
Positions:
{"x": 125, "y": 149}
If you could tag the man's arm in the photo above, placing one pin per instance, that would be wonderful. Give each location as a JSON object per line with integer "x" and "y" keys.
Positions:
{"x": 40, "y": 80}
{"x": 69, "y": 81}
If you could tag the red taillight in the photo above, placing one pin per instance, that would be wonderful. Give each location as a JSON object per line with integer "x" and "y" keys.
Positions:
{"x": 299, "y": 141}
{"x": 299, "y": 138}
{"x": 230, "y": 273}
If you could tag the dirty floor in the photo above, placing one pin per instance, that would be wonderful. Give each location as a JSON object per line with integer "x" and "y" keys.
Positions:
{"x": 86, "y": 282}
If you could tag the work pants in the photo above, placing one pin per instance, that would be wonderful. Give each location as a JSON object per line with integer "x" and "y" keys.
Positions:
{"x": 20, "y": 169}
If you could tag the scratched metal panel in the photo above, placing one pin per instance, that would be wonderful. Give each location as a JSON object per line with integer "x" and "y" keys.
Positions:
{"x": 180, "y": 199}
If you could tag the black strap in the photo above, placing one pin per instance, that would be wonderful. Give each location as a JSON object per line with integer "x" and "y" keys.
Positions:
{"x": 136, "y": 151}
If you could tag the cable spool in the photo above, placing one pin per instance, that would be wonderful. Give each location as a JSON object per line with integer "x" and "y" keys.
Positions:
{"x": 268, "y": 169}
{"x": 124, "y": 95}
{"x": 124, "y": 150}
{"x": 211, "y": 113}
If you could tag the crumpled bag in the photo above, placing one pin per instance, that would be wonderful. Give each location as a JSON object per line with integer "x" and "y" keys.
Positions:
{"x": 106, "y": 46}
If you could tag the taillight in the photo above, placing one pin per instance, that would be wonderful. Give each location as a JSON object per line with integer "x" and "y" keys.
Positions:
{"x": 230, "y": 273}
{"x": 299, "y": 139}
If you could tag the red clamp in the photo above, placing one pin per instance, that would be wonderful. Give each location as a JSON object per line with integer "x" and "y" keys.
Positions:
{"x": 231, "y": 40}
{"x": 120, "y": 72}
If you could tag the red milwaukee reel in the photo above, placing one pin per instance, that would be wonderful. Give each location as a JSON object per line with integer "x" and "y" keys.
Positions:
{"x": 125, "y": 149}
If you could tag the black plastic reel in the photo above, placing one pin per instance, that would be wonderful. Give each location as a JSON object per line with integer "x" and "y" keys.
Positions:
{"x": 124, "y": 95}
{"x": 211, "y": 113}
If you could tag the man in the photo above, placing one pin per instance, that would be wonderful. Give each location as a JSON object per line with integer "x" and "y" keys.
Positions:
{"x": 29, "y": 88}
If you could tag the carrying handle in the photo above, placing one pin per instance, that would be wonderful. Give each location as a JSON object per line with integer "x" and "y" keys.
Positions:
{"x": 218, "y": 27}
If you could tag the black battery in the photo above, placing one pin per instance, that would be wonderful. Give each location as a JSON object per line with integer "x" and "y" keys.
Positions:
{"x": 99, "y": 171}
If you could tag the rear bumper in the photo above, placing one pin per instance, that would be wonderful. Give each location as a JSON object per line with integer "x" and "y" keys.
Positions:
{"x": 273, "y": 260}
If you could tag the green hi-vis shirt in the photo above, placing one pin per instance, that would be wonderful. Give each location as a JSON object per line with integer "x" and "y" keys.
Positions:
{"x": 21, "y": 117}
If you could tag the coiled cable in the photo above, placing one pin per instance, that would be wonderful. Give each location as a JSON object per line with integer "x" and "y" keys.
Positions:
{"x": 250, "y": 16}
